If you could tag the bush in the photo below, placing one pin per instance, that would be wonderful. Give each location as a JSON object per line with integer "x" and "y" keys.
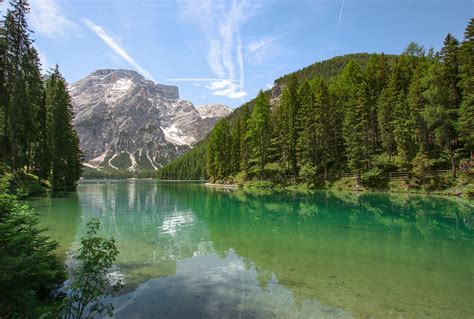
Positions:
{"x": 422, "y": 169}
{"x": 90, "y": 283}
{"x": 469, "y": 191}
{"x": 374, "y": 179}
{"x": 29, "y": 271}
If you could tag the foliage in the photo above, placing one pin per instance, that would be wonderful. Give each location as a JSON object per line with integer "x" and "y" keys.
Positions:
{"x": 29, "y": 271}
{"x": 36, "y": 115}
{"x": 363, "y": 114}
{"x": 90, "y": 283}
{"x": 189, "y": 166}
{"x": 373, "y": 179}
{"x": 469, "y": 191}
{"x": 422, "y": 168}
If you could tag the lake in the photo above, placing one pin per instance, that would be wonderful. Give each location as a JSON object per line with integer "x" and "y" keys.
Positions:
{"x": 187, "y": 251}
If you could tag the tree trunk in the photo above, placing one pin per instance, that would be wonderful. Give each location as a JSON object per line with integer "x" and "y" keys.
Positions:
{"x": 453, "y": 165}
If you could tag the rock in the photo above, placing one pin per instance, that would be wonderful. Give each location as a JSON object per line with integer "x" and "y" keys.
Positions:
{"x": 127, "y": 122}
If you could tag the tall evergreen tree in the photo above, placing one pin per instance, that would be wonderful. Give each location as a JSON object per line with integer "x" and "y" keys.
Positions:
{"x": 17, "y": 111}
{"x": 356, "y": 119}
{"x": 67, "y": 156}
{"x": 36, "y": 106}
{"x": 465, "y": 125}
{"x": 259, "y": 130}
{"x": 376, "y": 75}
{"x": 416, "y": 104}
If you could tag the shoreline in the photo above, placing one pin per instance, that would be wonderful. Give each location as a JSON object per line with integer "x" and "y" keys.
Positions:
{"x": 224, "y": 186}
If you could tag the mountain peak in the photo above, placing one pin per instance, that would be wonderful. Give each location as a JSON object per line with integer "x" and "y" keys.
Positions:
{"x": 122, "y": 79}
{"x": 127, "y": 122}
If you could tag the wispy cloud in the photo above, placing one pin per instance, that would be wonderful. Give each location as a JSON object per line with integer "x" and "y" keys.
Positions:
{"x": 116, "y": 47}
{"x": 221, "y": 23}
{"x": 340, "y": 15}
{"x": 47, "y": 18}
{"x": 259, "y": 51}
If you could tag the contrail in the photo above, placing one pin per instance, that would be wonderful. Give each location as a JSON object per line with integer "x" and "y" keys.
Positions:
{"x": 340, "y": 15}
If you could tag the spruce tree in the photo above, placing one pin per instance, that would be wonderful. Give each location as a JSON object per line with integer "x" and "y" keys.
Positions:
{"x": 356, "y": 118}
{"x": 259, "y": 130}
{"x": 416, "y": 104}
{"x": 67, "y": 156}
{"x": 465, "y": 125}
{"x": 36, "y": 106}
{"x": 17, "y": 111}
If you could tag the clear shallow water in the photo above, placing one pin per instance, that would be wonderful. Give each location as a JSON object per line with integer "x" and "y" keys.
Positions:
{"x": 191, "y": 252}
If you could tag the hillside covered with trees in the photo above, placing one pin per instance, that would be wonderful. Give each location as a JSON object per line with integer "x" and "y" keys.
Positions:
{"x": 364, "y": 114}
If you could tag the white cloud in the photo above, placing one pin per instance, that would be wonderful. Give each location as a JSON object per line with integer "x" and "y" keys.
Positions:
{"x": 217, "y": 85}
{"x": 261, "y": 50}
{"x": 47, "y": 18}
{"x": 116, "y": 47}
{"x": 221, "y": 24}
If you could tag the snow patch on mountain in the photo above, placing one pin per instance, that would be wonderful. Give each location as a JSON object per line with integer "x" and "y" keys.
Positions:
{"x": 213, "y": 111}
{"x": 175, "y": 136}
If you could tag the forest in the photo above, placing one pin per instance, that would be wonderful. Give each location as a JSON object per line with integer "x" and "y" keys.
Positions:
{"x": 37, "y": 140}
{"x": 39, "y": 149}
{"x": 365, "y": 114}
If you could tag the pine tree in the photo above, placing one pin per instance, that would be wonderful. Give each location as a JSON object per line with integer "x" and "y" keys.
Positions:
{"x": 244, "y": 146}
{"x": 306, "y": 142}
{"x": 438, "y": 114}
{"x": 280, "y": 131}
{"x": 416, "y": 104}
{"x": 259, "y": 131}
{"x": 35, "y": 118}
{"x": 465, "y": 125}
{"x": 4, "y": 105}
{"x": 324, "y": 127}
{"x": 356, "y": 118}
{"x": 376, "y": 75}
{"x": 17, "y": 111}
{"x": 67, "y": 156}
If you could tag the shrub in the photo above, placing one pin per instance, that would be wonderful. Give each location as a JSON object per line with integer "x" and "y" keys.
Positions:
{"x": 421, "y": 169}
{"x": 29, "y": 271}
{"x": 373, "y": 178}
{"x": 469, "y": 191}
{"x": 90, "y": 284}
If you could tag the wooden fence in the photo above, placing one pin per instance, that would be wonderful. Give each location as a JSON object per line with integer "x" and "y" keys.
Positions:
{"x": 397, "y": 175}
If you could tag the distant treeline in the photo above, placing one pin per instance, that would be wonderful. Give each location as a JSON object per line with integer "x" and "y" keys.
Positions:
{"x": 359, "y": 113}
{"x": 103, "y": 173}
{"x": 36, "y": 132}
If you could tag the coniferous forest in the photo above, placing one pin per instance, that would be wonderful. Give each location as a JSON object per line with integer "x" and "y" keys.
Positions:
{"x": 36, "y": 133}
{"x": 348, "y": 123}
{"x": 361, "y": 114}
{"x": 39, "y": 149}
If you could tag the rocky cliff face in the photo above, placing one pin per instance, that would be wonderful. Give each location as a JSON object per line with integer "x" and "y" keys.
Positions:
{"x": 127, "y": 122}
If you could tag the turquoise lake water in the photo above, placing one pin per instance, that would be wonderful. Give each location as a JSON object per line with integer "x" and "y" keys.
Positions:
{"x": 187, "y": 251}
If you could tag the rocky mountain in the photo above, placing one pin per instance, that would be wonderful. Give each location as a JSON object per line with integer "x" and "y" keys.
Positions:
{"x": 127, "y": 122}
{"x": 213, "y": 110}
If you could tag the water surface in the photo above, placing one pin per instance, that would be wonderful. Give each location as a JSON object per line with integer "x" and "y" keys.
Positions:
{"x": 191, "y": 252}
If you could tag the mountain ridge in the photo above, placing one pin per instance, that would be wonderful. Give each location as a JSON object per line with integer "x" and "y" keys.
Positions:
{"x": 125, "y": 121}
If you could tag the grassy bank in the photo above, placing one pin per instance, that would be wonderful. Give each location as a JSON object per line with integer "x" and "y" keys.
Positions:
{"x": 462, "y": 186}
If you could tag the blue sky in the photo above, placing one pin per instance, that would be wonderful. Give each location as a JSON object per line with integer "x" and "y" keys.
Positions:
{"x": 220, "y": 51}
